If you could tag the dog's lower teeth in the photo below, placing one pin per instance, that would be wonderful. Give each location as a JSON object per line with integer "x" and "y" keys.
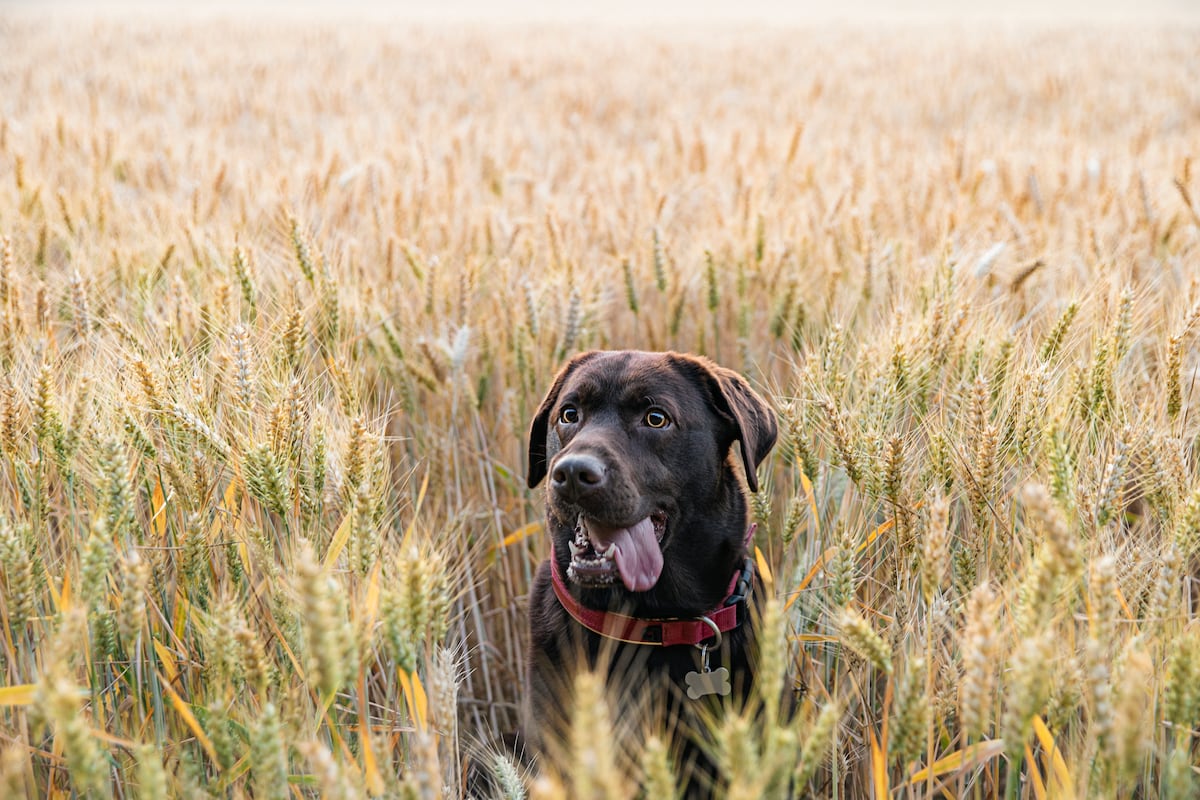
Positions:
{"x": 589, "y": 565}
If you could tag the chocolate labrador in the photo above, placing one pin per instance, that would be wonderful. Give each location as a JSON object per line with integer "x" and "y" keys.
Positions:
{"x": 650, "y": 571}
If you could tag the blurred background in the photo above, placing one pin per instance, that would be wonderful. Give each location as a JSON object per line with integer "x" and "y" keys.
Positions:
{"x": 658, "y": 11}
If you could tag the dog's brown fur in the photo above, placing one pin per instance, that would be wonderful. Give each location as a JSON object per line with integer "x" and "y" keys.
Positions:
{"x": 685, "y": 471}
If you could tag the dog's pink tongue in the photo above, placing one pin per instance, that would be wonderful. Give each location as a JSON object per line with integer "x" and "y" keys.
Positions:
{"x": 638, "y": 557}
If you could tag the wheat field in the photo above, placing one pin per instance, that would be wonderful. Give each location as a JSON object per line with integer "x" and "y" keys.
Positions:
{"x": 278, "y": 301}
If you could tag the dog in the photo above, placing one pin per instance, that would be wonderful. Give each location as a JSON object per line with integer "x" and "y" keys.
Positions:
{"x": 650, "y": 575}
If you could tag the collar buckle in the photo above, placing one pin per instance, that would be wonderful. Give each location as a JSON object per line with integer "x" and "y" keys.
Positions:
{"x": 743, "y": 585}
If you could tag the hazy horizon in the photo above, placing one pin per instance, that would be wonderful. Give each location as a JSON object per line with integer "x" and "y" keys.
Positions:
{"x": 770, "y": 12}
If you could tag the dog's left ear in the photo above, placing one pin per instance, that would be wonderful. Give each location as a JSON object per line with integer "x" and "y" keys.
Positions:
{"x": 752, "y": 420}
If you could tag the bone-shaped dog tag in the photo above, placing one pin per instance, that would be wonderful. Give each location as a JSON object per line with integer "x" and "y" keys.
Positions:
{"x": 703, "y": 683}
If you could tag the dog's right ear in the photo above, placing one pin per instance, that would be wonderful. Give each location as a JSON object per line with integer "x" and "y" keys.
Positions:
{"x": 538, "y": 430}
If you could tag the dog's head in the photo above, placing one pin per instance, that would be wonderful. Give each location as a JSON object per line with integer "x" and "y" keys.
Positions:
{"x": 637, "y": 449}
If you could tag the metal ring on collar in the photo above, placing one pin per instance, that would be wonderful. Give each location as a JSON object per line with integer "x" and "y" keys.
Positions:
{"x": 716, "y": 632}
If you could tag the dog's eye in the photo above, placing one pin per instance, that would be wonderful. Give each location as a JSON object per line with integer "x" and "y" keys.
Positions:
{"x": 657, "y": 419}
{"x": 569, "y": 415}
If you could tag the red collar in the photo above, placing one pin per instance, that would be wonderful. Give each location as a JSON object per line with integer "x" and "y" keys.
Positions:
{"x": 661, "y": 632}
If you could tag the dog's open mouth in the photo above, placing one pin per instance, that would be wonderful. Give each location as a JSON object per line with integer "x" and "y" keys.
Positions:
{"x": 601, "y": 555}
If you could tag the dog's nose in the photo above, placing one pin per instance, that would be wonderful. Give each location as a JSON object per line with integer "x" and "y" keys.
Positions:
{"x": 577, "y": 475}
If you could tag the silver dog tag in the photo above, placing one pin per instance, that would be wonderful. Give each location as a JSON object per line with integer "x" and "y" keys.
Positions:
{"x": 713, "y": 682}
{"x": 709, "y": 681}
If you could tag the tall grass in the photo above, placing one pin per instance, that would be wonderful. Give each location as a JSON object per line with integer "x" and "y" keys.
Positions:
{"x": 276, "y": 306}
